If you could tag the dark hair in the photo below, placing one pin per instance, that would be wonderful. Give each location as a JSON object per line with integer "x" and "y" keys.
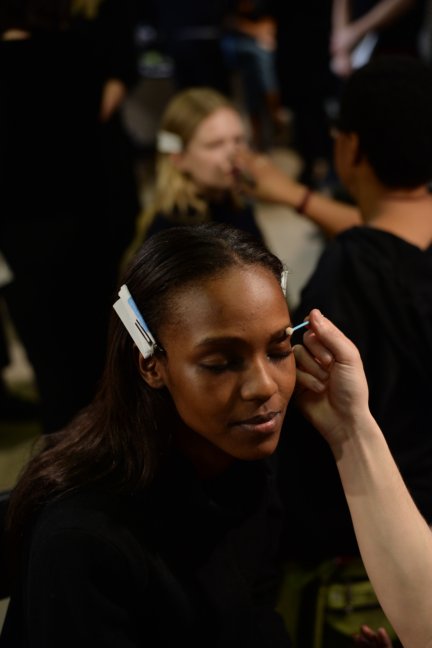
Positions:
{"x": 34, "y": 15}
{"x": 118, "y": 439}
{"x": 388, "y": 103}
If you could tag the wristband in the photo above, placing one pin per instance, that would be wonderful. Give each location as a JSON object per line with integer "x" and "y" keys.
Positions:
{"x": 302, "y": 207}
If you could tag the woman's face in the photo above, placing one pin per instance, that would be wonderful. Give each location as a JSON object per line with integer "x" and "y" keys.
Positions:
{"x": 229, "y": 365}
{"x": 208, "y": 158}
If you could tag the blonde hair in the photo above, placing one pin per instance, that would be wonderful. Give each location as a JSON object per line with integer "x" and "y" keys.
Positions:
{"x": 174, "y": 191}
{"x": 87, "y": 8}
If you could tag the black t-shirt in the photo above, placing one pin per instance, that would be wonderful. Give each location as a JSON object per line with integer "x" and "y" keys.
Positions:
{"x": 225, "y": 211}
{"x": 186, "y": 562}
{"x": 377, "y": 289}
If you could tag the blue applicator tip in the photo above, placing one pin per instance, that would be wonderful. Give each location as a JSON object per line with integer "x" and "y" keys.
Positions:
{"x": 290, "y": 329}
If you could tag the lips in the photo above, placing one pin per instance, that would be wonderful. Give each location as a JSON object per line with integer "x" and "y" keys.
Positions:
{"x": 263, "y": 423}
{"x": 258, "y": 420}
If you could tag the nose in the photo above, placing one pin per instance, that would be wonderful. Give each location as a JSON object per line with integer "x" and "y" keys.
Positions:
{"x": 258, "y": 382}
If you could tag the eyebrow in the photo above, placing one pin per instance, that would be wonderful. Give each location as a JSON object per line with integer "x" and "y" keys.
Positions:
{"x": 279, "y": 336}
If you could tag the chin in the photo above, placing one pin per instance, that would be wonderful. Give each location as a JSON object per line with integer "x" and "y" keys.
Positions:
{"x": 261, "y": 450}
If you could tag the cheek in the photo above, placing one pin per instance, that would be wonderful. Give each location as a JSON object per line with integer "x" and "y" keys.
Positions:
{"x": 211, "y": 165}
{"x": 202, "y": 169}
{"x": 289, "y": 379}
{"x": 200, "y": 395}
{"x": 204, "y": 411}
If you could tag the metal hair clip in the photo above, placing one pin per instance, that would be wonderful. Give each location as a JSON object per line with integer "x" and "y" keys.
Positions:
{"x": 129, "y": 314}
{"x": 167, "y": 142}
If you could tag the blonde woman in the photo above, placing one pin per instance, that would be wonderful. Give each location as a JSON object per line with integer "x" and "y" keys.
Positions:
{"x": 201, "y": 132}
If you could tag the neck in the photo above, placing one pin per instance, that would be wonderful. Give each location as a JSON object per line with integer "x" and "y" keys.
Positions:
{"x": 406, "y": 213}
{"x": 216, "y": 195}
{"x": 207, "y": 459}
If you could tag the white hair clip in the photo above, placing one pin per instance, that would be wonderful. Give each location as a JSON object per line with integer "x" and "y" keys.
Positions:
{"x": 167, "y": 142}
{"x": 129, "y": 314}
{"x": 284, "y": 281}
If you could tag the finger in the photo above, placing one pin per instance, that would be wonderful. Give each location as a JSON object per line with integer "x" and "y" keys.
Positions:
{"x": 367, "y": 632}
{"x": 306, "y": 381}
{"x": 372, "y": 638}
{"x": 317, "y": 349}
{"x": 336, "y": 343}
{"x": 385, "y": 640}
{"x": 362, "y": 641}
{"x": 309, "y": 363}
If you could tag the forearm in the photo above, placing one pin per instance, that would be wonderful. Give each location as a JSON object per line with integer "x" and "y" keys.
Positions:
{"x": 332, "y": 216}
{"x": 381, "y": 15}
{"x": 341, "y": 12}
{"x": 268, "y": 183}
{"x": 394, "y": 540}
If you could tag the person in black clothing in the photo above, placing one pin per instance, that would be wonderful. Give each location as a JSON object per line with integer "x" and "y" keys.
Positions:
{"x": 196, "y": 178}
{"x": 154, "y": 517}
{"x": 305, "y": 80}
{"x": 374, "y": 280}
{"x": 68, "y": 194}
{"x": 393, "y": 27}
{"x": 249, "y": 45}
{"x": 190, "y": 33}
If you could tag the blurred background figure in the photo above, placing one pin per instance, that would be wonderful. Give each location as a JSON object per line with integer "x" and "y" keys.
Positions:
{"x": 362, "y": 29}
{"x": 306, "y": 82}
{"x": 69, "y": 199}
{"x": 249, "y": 46}
{"x": 200, "y": 133}
{"x": 190, "y": 34}
{"x": 12, "y": 407}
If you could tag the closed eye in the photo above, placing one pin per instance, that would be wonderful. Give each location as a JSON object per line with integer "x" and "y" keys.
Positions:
{"x": 279, "y": 356}
{"x": 220, "y": 367}
{"x": 237, "y": 364}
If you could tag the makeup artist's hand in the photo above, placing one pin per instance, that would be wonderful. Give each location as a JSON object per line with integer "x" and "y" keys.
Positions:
{"x": 367, "y": 638}
{"x": 331, "y": 385}
{"x": 262, "y": 179}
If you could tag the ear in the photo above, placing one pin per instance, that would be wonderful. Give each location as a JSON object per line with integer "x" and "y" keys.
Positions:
{"x": 151, "y": 370}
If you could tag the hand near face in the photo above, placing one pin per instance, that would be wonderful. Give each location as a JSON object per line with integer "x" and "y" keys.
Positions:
{"x": 367, "y": 638}
{"x": 113, "y": 94}
{"x": 259, "y": 177}
{"x": 345, "y": 38}
{"x": 331, "y": 385}
{"x": 340, "y": 64}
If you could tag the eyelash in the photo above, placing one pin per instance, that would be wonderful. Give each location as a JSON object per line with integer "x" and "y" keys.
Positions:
{"x": 233, "y": 364}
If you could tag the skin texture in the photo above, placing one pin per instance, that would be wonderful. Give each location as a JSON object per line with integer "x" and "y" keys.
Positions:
{"x": 228, "y": 366}
{"x": 209, "y": 156}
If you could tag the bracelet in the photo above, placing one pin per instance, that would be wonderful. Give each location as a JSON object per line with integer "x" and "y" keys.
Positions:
{"x": 302, "y": 207}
